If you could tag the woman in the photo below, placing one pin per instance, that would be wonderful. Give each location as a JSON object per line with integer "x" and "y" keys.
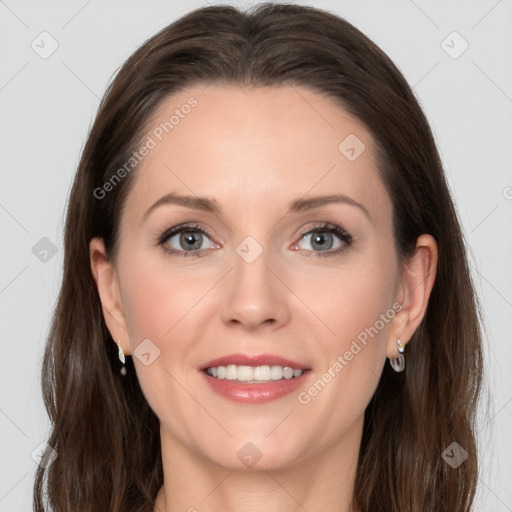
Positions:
{"x": 259, "y": 220}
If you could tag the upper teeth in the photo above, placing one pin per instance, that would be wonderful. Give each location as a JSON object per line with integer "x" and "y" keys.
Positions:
{"x": 253, "y": 373}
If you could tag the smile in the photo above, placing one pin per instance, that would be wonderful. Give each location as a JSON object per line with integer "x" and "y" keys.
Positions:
{"x": 254, "y": 374}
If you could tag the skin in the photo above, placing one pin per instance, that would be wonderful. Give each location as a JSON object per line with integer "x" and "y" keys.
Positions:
{"x": 254, "y": 151}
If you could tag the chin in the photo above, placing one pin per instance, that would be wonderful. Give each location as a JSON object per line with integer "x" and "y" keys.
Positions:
{"x": 257, "y": 454}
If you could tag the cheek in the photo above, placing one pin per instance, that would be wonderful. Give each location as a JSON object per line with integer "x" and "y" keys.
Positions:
{"x": 358, "y": 308}
{"x": 160, "y": 307}
{"x": 145, "y": 297}
{"x": 155, "y": 299}
{"x": 364, "y": 299}
{"x": 349, "y": 299}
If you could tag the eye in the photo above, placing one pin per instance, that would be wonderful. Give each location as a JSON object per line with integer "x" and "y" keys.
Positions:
{"x": 322, "y": 239}
{"x": 192, "y": 240}
{"x": 186, "y": 240}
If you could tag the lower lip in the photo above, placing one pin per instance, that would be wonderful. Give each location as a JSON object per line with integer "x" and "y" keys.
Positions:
{"x": 244, "y": 392}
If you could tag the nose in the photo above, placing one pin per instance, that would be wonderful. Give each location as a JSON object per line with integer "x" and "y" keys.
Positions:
{"x": 256, "y": 294}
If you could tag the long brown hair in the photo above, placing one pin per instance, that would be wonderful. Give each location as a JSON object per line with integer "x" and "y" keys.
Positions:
{"x": 106, "y": 436}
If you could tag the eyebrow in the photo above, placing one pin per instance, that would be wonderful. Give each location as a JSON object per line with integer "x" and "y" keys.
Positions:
{"x": 211, "y": 205}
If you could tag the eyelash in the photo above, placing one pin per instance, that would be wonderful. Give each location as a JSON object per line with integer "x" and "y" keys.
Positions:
{"x": 325, "y": 227}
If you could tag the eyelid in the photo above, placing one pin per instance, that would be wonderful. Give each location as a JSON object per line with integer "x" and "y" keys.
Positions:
{"x": 326, "y": 226}
{"x": 183, "y": 226}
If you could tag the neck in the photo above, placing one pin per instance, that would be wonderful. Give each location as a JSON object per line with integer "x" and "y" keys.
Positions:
{"x": 322, "y": 482}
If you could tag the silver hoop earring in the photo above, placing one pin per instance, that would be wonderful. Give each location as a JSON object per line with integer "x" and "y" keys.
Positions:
{"x": 398, "y": 364}
{"x": 121, "y": 358}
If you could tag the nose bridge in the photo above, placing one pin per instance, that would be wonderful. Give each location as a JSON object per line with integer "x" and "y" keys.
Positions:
{"x": 255, "y": 294}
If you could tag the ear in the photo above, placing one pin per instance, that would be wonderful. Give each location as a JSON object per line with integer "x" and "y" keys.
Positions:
{"x": 107, "y": 284}
{"x": 417, "y": 280}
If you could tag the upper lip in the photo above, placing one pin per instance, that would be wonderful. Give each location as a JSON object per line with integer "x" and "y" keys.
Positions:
{"x": 254, "y": 360}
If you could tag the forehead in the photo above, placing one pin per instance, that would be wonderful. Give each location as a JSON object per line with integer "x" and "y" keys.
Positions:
{"x": 249, "y": 147}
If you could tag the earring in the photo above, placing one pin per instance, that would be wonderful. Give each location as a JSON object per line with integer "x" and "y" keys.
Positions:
{"x": 121, "y": 358}
{"x": 398, "y": 364}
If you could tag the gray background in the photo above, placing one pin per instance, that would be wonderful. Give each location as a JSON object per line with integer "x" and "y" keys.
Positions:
{"x": 48, "y": 104}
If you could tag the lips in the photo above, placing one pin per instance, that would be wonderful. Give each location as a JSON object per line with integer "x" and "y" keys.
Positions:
{"x": 251, "y": 392}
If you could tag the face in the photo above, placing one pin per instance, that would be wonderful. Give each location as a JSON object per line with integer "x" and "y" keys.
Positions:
{"x": 257, "y": 274}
